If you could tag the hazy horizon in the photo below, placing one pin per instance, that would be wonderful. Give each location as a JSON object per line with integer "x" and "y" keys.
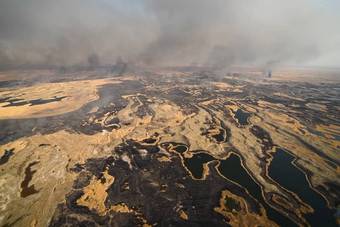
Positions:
{"x": 217, "y": 33}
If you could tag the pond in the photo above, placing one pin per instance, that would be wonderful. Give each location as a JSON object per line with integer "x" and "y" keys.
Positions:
{"x": 286, "y": 174}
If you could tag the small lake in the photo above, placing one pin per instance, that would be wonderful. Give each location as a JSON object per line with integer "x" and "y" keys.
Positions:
{"x": 195, "y": 164}
{"x": 220, "y": 136}
{"x": 242, "y": 117}
{"x": 281, "y": 170}
{"x": 286, "y": 174}
{"x": 232, "y": 169}
{"x": 180, "y": 149}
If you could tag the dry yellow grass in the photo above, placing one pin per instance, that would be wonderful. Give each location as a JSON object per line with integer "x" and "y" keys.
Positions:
{"x": 77, "y": 94}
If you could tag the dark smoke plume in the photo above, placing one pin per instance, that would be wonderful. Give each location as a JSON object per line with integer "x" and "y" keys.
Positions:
{"x": 93, "y": 60}
{"x": 218, "y": 33}
{"x": 119, "y": 68}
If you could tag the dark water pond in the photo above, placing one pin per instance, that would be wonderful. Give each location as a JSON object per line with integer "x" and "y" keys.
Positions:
{"x": 282, "y": 171}
{"x": 290, "y": 177}
{"x": 149, "y": 140}
{"x": 232, "y": 169}
{"x": 331, "y": 164}
{"x": 220, "y": 136}
{"x": 195, "y": 164}
{"x": 180, "y": 149}
{"x": 314, "y": 132}
{"x": 242, "y": 117}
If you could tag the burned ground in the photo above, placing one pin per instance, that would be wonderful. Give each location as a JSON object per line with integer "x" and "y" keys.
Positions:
{"x": 122, "y": 157}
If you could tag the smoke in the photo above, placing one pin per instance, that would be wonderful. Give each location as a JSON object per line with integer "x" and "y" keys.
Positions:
{"x": 66, "y": 33}
{"x": 119, "y": 68}
{"x": 218, "y": 33}
{"x": 93, "y": 60}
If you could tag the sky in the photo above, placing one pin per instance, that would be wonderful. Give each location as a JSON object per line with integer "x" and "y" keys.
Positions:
{"x": 217, "y": 33}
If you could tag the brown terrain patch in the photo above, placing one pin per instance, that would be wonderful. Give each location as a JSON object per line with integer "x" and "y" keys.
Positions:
{"x": 95, "y": 195}
{"x": 76, "y": 93}
{"x": 241, "y": 216}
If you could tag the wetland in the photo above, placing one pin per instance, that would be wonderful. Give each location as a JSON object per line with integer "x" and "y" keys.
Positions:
{"x": 169, "y": 146}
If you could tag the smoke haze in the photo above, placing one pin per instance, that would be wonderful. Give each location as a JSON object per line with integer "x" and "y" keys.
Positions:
{"x": 217, "y": 33}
